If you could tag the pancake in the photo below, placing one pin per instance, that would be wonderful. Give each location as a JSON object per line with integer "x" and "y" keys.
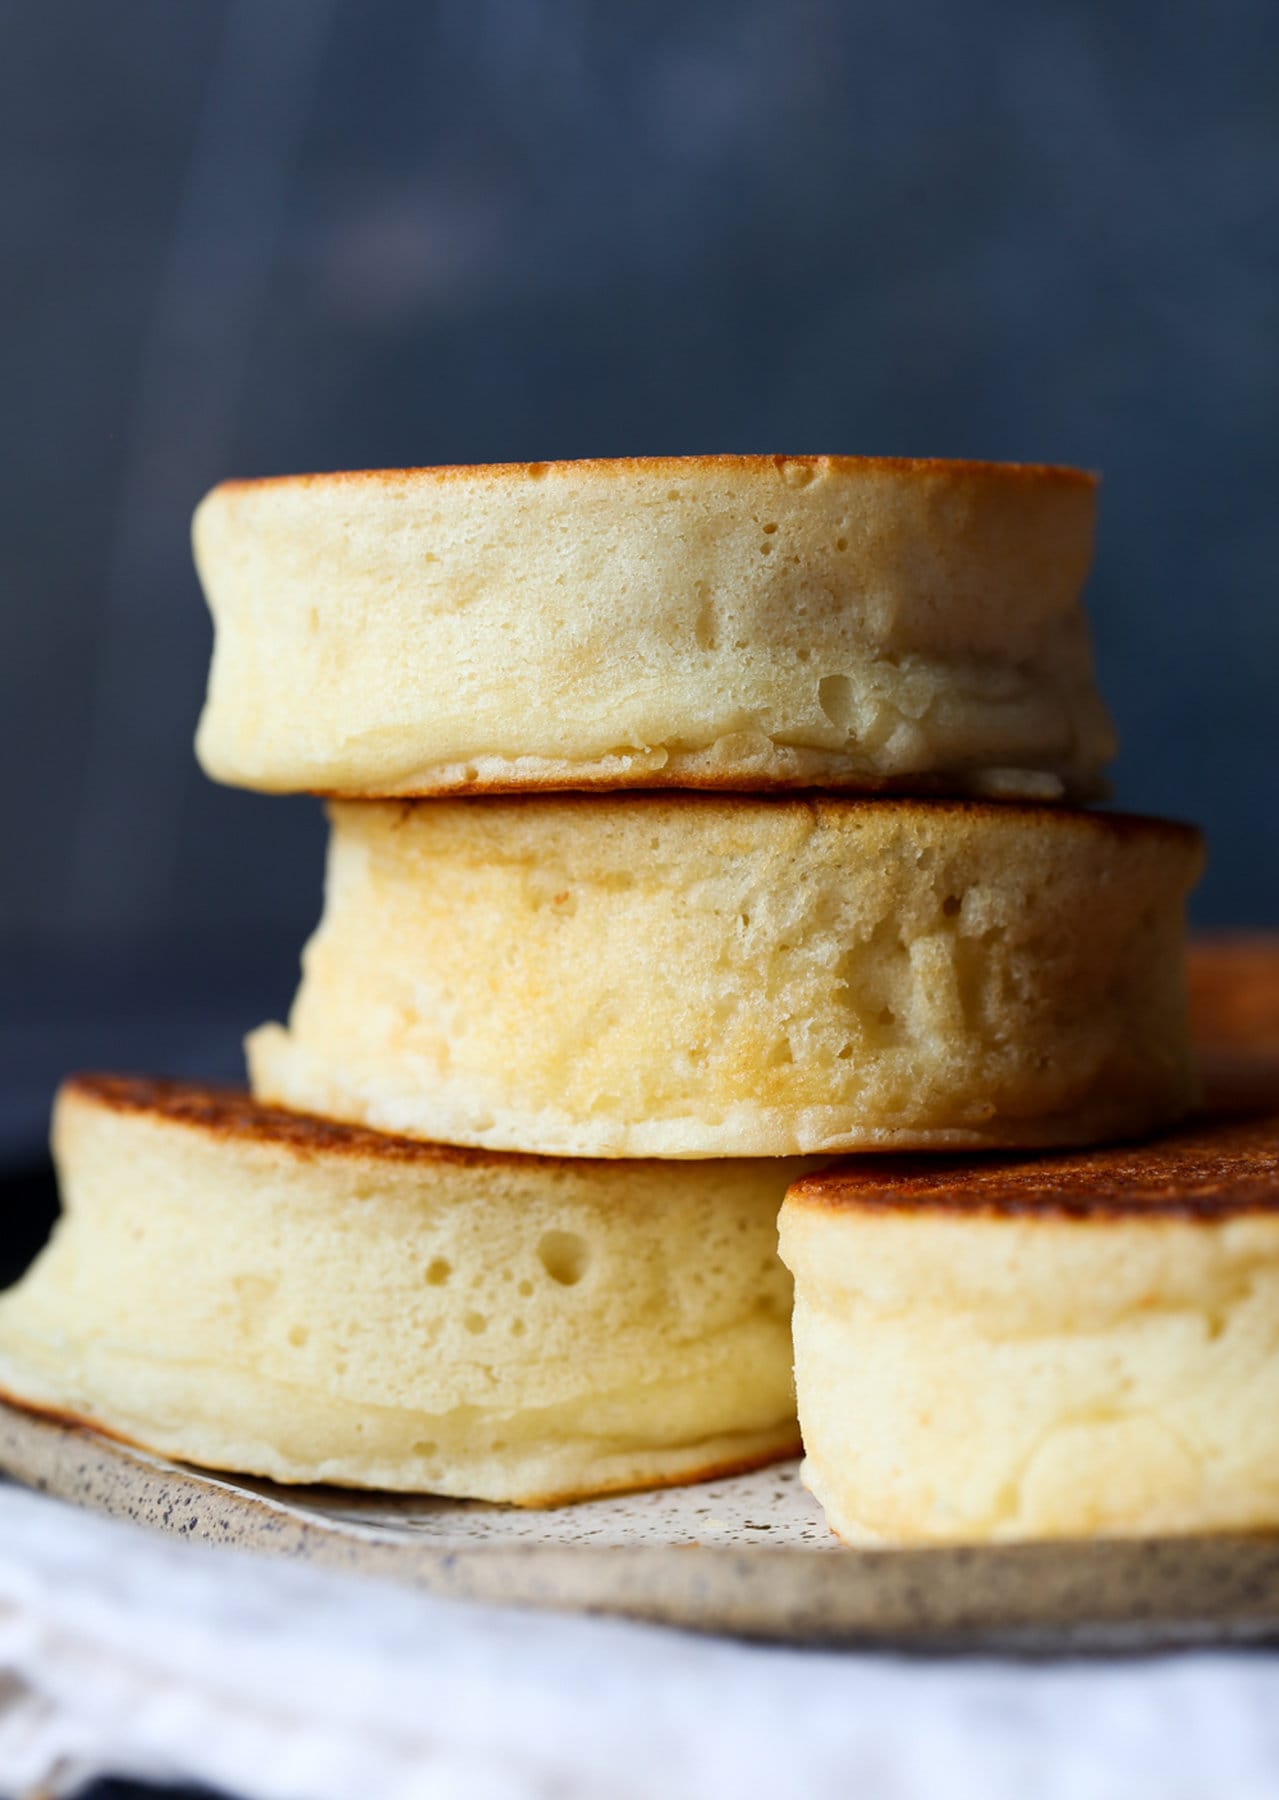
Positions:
{"x": 715, "y": 621}
{"x": 1233, "y": 986}
{"x": 698, "y": 976}
{"x": 250, "y": 1290}
{"x": 1047, "y": 1348}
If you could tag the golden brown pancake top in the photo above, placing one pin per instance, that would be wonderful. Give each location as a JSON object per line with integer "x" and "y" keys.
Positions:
{"x": 605, "y": 467}
{"x": 1207, "y": 1172}
{"x": 228, "y": 1112}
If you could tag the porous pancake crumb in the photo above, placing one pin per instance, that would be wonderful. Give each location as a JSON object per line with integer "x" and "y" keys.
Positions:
{"x": 1046, "y": 1348}
{"x": 257, "y": 1291}
{"x": 696, "y": 976}
{"x": 718, "y": 621}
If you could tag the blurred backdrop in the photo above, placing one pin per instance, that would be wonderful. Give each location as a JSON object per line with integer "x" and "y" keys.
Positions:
{"x": 255, "y": 236}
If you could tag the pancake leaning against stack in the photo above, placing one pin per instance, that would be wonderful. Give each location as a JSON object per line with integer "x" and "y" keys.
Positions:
{"x": 727, "y": 982}
{"x": 1050, "y": 1348}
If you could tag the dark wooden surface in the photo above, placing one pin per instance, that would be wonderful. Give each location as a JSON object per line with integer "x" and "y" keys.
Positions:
{"x": 245, "y": 238}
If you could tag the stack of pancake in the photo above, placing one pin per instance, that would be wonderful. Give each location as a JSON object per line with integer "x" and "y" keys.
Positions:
{"x": 695, "y": 822}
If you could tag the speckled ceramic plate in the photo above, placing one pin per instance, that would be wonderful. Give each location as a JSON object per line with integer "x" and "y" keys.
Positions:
{"x": 749, "y": 1556}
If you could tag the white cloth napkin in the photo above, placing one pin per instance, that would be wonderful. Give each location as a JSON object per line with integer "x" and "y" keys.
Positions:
{"x": 126, "y": 1653}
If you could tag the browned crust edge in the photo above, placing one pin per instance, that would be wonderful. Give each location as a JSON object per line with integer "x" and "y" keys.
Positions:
{"x": 57, "y": 1415}
{"x": 819, "y": 804}
{"x": 1060, "y": 474}
{"x": 1207, "y": 1174}
{"x": 791, "y": 1446}
{"x": 231, "y": 1114}
{"x": 786, "y": 1448}
{"x": 923, "y": 786}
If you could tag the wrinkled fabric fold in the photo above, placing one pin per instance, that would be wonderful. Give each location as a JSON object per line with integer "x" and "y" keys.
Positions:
{"x": 125, "y": 1653}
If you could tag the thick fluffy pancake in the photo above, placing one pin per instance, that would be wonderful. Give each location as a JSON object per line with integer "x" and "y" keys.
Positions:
{"x": 688, "y": 975}
{"x": 1048, "y": 1348}
{"x": 722, "y": 621}
{"x": 250, "y": 1290}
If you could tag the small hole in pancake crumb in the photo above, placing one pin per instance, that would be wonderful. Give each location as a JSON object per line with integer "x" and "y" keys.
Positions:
{"x": 564, "y": 1256}
{"x": 525, "y": 1288}
{"x": 766, "y": 549}
{"x": 517, "y": 1328}
{"x": 438, "y": 1271}
{"x": 835, "y": 697}
{"x": 841, "y": 543}
{"x": 768, "y": 530}
{"x": 298, "y": 1335}
{"x": 704, "y": 626}
{"x": 951, "y": 905}
{"x": 425, "y": 1449}
{"x": 475, "y": 1323}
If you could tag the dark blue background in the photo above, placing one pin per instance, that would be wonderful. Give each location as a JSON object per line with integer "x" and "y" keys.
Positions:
{"x": 246, "y": 236}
